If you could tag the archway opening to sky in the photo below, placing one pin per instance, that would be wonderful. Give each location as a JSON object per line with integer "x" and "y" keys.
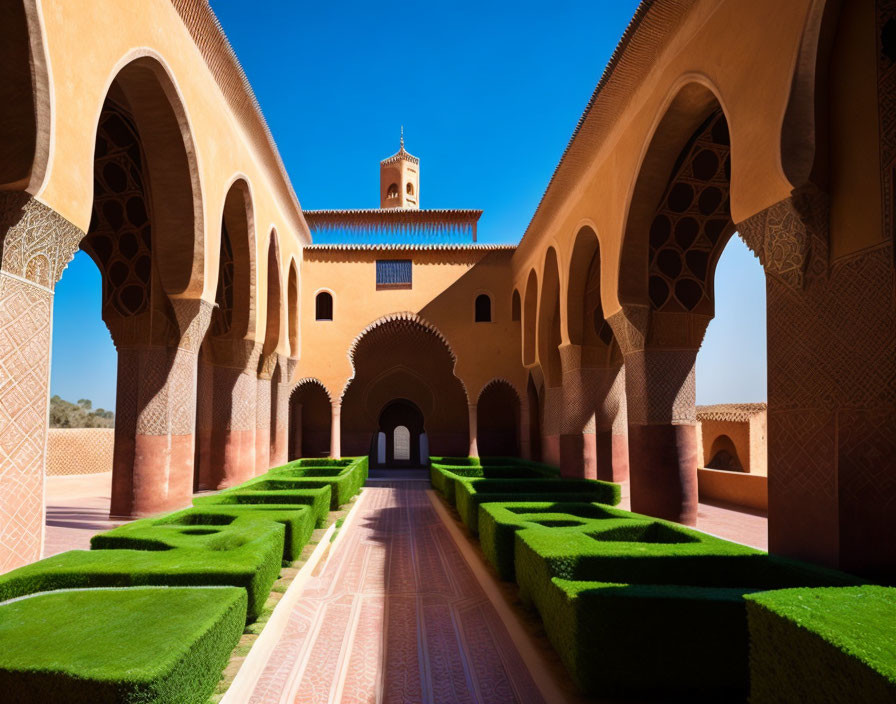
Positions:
{"x": 731, "y": 363}
{"x": 84, "y": 361}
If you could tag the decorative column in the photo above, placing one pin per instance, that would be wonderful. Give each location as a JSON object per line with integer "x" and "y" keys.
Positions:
{"x": 550, "y": 425}
{"x": 660, "y": 388}
{"x": 232, "y": 455}
{"x": 36, "y": 244}
{"x": 611, "y": 426}
{"x": 473, "y": 423}
{"x": 155, "y": 417}
{"x": 579, "y": 394}
{"x": 280, "y": 410}
{"x": 263, "y": 415}
{"x": 335, "y": 430}
{"x": 831, "y": 384}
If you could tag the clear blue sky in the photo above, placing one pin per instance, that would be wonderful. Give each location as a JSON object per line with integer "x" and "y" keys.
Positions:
{"x": 488, "y": 94}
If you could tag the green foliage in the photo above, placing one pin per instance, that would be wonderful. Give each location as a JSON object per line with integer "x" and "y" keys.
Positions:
{"x": 670, "y": 594}
{"x": 145, "y": 645}
{"x": 471, "y": 492}
{"x": 64, "y": 414}
{"x": 443, "y": 476}
{"x": 823, "y": 645}
{"x": 499, "y": 522}
{"x": 185, "y": 549}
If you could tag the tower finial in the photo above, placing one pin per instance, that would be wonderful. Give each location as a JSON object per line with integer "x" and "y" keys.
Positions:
{"x": 402, "y": 136}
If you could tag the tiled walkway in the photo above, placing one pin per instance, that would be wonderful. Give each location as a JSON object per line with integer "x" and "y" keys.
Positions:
{"x": 77, "y": 508}
{"x": 396, "y": 615}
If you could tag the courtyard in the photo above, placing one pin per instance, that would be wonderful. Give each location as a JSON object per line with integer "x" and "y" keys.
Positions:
{"x": 570, "y": 378}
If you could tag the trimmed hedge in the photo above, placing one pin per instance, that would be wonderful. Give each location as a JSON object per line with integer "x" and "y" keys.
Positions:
{"x": 499, "y": 522}
{"x": 470, "y": 493}
{"x": 671, "y": 595}
{"x": 823, "y": 645}
{"x": 303, "y": 482}
{"x": 443, "y": 477}
{"x": 245, "y": 551}
{"x": 146, "y": 645}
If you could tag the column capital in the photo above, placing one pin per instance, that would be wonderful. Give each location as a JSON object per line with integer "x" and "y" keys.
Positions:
{"x": 36, "y": 242}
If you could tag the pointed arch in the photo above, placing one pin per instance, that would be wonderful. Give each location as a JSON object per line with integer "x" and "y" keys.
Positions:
{"x": 274, "y": 300}
{"x": 530, "y": 326}
{"x": 293, "y": 309}
{"x": 548, "y": 335}
{"x": 235, "y": 311}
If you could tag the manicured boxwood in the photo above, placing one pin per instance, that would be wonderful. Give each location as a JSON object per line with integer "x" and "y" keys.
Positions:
{"x": 318, "y": 499}
{"x": 670, "y": 595}
{"x": 836, "y": 646}
{"x": 443, "y": 477}
{"x": 298, "y": 521}
{"x": 145, "y": 645}
{"x": 245, "y": 551}
{"x": 471, "y": 492}
{"x": 343, "y": 479}
{"x": 499, "y": 522}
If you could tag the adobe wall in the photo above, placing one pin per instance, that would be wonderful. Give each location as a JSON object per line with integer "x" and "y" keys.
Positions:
{"x": 79, "y": 451}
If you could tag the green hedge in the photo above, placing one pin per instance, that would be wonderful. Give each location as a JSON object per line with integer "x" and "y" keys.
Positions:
{"x": 318, "y": 499}
{"x": 245, "y": 551}
{"x": 499, "y": 522}
{"x": 146, "y": 645}
{"x": 823, "y": 645}
{"x": 470, "y": 493}
{"x": 443, "y": 477}
{"x": 303, "y": 482}
{"x": 669, "y": 598}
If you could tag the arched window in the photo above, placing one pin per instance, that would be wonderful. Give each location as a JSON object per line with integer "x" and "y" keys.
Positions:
{"x": 409, "y": 189}
{"x": 515, "y": 307}
{"x": 401, "y": 443}
{"x": 323, "y": 306}
{"x": 393, "y": 191}
{"x": 483, "y": 308}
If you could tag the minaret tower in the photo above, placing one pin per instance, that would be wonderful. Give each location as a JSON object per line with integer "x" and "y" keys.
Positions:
{"x": 400, "y": 180}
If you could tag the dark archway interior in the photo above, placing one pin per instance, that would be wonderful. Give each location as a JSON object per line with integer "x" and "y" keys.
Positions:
{"x": 401, "y": 424}
{"x": 534, "y": 420}
{"x": 18, "y": 123}
{"x": 404, "y": 359}
{"x": 309, "y": 422}
{"x": 497, "y": 420}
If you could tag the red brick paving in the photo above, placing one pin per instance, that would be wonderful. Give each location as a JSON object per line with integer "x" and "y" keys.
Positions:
{"x": 397, "y": 615}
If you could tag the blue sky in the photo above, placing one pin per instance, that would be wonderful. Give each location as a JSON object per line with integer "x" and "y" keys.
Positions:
{"x": 488, "y": 93}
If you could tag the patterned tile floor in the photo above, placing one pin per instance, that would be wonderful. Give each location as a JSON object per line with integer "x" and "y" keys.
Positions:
{"x": 397, "y": 615}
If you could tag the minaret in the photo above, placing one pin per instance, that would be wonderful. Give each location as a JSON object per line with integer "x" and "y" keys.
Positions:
{"x": 400, "y": 180}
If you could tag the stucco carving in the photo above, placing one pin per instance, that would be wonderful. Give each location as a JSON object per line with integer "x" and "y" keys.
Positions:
{"x": 193, "y": 317}
{"x": 630, "y": 326}
{"x": 661, "y": 386}
{"x": 791, "y": 237}
{"x": 36, "y": 242}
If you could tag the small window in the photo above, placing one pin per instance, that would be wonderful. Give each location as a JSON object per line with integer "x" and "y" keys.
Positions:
{"x": 409, "y": 189}
{"x": 323, "y": 306}
{"x": 393, "y": 191}
{"x": 483, "y": 309}
{"x": 515, "y": 307}
{"x": 393, "y": 273}
{"x": 401, "y": 444}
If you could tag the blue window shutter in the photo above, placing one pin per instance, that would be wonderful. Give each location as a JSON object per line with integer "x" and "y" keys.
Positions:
{"x": 393, "y": 272}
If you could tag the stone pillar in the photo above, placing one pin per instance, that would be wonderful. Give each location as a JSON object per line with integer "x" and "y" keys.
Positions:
{"x": 205, "y": 385}
{"x": 335, "y": 430}
{"x": 262, "y": 425}
{"x": 155, "y": 418}
{"x": 579, "y": 395}
{"x": 831, "y": 388}
{"x": 233, "y": 414}
{"x": 474, "y": 429}
{"x": 36, "y": 244}
{"x": 660, "y": 352}
{"x": 611, "y": 426}
{"x": 280, "y": 410}
{"x": 550, "y": 425}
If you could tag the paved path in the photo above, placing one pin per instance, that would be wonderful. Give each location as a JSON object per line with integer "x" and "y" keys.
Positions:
{"x": 77, "y": 509}
{"x": 396, "y": 615}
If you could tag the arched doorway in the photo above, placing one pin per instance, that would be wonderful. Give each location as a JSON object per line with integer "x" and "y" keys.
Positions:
{"x": 401, "y": 439}
{"x": 309, "y": 420}
{"x": 498, "y": 420}
{"x": 403, "y": 358}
